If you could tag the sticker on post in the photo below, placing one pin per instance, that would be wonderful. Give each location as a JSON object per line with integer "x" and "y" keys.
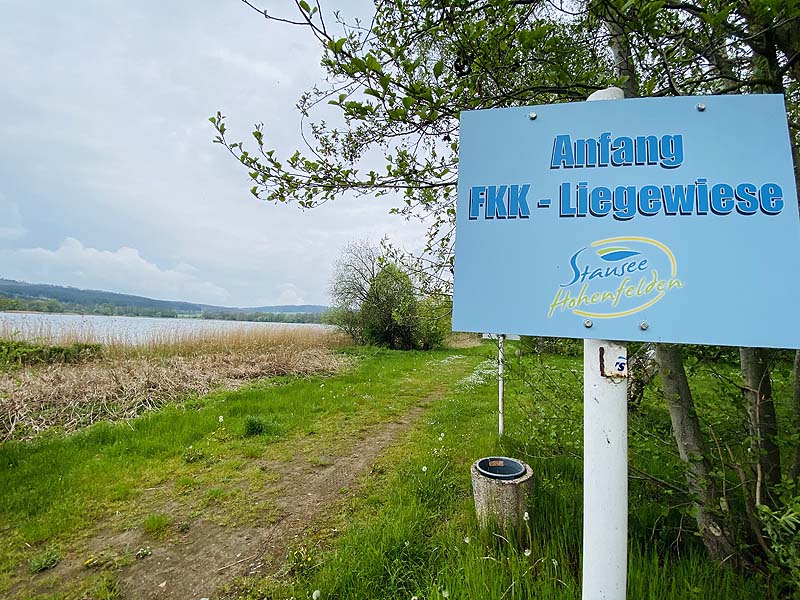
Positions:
{"x": 620, "y": 367}
{"x": 617, "y": 370}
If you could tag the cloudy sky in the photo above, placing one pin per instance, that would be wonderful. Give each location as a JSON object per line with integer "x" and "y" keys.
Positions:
{"x": 109, "y": 179}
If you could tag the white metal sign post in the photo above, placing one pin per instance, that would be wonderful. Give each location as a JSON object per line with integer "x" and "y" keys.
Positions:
{"x": 605, "y": 470}
{"x": 605, "y": 459}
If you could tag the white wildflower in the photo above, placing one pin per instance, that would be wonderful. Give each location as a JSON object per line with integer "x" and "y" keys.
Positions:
{"x": 221, "y": 419}
{"x": 466, "y": 540}
{"x": 527, "y": 552}
{"x": 555, "y": 562}
{"x": 315, "y": 595}
{"x": 424, "y": 469}
{"x": 525, "y": 517}
{"x": 445, "y": 594}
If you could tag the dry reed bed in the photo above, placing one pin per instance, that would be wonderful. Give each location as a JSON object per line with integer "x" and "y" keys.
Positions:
{"x": 130, "y": 380}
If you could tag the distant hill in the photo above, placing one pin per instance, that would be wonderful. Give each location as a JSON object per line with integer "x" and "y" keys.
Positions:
{"x": 92, "y": 298}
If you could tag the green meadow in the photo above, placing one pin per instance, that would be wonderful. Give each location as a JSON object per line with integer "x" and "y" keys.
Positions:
{"x": 407, "y": 529}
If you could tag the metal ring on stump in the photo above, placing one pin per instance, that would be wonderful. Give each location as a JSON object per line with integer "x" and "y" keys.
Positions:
{"x": 501, "y": 486}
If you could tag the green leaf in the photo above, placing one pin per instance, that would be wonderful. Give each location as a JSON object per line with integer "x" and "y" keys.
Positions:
{"x": 304, "y": 5}
{"x": 373, "y": 64}
{"x": 438, "y": 69}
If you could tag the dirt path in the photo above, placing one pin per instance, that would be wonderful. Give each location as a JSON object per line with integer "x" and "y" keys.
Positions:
{"x": 194, "y": 567}
{"x": 194, "y": 563}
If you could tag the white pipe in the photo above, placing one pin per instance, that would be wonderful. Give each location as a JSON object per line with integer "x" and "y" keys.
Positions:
{"x": 605, "y": 459}
{"x": 501, "y": 357}
{"x": 605, "y": 471}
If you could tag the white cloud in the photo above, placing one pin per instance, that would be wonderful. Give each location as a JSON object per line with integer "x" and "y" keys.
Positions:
{"x": 136, "y": 167}
{"x": 11, "y": 227}
{"x": 289, "y": 293}
{"x": 123, "y": 270}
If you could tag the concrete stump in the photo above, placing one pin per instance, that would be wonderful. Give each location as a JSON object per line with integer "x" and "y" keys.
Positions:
{"x": 502, "y": 502}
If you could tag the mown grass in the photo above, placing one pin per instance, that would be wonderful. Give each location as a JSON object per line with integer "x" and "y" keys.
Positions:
{"x": 412, "y": 532}
{"x": 59, "y": 490}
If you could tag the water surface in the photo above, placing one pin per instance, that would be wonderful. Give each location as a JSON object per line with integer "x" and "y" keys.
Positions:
{"x": 132, "y": 330}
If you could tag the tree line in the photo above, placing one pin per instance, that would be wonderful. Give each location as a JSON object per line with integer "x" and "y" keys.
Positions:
{"x": 50, "y": 305}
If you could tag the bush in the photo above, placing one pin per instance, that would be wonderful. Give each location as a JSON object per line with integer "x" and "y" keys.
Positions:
{"x": 16, "y": 353}
{"x": 434, "y": 323}
{"x": 530, "y": 344}
{"x": 390, "y": 311}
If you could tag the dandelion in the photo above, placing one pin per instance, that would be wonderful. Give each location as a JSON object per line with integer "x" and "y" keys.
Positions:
{"x": 527, "y": 552}
{"x": 525, "y": 517}
{"x": 315, "y": 595}
{"x": 424, "y": 469}
{"x": 221, "y": 419}
{"x": 466, "y": 540}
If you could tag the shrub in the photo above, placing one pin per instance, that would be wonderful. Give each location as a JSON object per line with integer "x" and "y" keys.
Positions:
{"x": 530, "y": 344}
{"x": 17, "y": 353}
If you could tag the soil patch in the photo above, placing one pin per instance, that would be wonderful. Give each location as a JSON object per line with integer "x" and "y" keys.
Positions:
{"x": 196, "y": 563}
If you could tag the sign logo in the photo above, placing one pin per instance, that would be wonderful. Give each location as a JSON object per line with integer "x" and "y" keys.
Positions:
{"x": 616, "y": 277}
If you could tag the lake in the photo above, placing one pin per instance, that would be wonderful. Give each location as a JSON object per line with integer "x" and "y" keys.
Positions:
{"x": 132, "y": 330}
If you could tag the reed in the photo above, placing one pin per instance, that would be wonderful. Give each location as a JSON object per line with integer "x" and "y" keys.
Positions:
{"x": 175, "y": 342}
{"x": 127, "y": 379}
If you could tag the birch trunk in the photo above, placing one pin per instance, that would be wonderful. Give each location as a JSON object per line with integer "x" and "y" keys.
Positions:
{"x": 763, "y": 421}
{"x": 691, "y": 447}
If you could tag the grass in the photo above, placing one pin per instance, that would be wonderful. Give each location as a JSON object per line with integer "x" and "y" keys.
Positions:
{"x": 157, "y": 525}
{"x": 411, "y": 531}
{"x": 255, "y": 425}
{"x": 46, "y": 559}
{"x": 59, "y": 489}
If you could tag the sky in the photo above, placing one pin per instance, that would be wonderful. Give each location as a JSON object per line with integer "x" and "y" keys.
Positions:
{"x": 108, "y": 175}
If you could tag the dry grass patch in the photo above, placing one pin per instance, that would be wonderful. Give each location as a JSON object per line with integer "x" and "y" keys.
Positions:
{"x": 129, "y": 380}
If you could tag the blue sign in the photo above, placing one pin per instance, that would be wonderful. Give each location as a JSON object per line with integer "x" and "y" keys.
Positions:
{"x": 658, "y": 219}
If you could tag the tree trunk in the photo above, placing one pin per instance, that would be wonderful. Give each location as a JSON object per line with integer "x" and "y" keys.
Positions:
{"x": 763, "y": 421}
{"x": 686, "y": 428}
{"x": 623, "y": 56}
{"x": 642, "y": 368}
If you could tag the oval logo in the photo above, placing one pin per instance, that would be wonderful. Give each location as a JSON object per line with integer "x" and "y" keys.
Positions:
{"x": 616, "y": 277}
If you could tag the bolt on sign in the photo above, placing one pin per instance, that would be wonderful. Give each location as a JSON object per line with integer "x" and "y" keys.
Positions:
{"x": 654, "y": 219}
